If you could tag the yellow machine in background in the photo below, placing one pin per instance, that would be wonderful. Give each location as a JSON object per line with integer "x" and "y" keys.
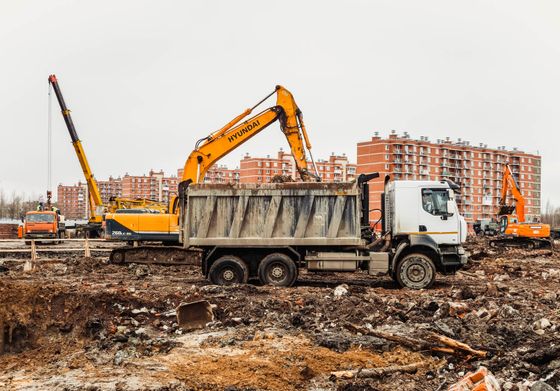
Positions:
{"x": 122, "y": 225}
{"x": 96, "y": 206}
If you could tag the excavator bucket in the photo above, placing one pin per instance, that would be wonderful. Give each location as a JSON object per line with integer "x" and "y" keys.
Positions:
{"x": 194, "y": 315}
{"x": 481, "y": 380}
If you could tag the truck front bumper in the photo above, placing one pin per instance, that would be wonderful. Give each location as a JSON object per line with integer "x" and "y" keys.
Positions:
{"x": 40, "y": 236}
{"x": 453, "y": 259}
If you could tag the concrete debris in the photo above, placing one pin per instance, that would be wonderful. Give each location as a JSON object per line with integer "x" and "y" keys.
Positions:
{"x": 339, "y": 291}
{"x": 541, "y": 386}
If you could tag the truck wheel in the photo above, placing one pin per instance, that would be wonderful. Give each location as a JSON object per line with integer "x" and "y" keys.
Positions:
{"x": 416, "y": 271}
{"x": 278, "y": 270}
{"x": 228, "y": 270}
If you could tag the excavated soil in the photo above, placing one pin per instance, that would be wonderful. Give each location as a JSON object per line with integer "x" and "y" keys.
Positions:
{"x": 79, "y": 323}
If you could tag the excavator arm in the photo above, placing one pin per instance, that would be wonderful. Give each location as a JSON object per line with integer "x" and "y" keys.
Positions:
{"x": 510, "y": 184}
{"x": 212, "y": 148}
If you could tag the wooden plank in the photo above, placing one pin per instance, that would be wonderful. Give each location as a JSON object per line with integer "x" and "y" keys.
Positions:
{"x": 336, "y": 217}
{"x": 271, "y": 215}
{"x": 238, "y": 216}
{"x": 204, "y": 225}
{"x": 304, "y": 213}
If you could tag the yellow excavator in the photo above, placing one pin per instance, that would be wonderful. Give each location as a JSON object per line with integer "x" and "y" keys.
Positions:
{"x": 144, "y": 227}
{"x": 96, "y": 206}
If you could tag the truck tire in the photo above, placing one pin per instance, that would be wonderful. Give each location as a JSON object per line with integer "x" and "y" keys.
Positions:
{"x": 277, "y": 269}
{"x": 416, "y": 271}
{"x": 228, "y": 270}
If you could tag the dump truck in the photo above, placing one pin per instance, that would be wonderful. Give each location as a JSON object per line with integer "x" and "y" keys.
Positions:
{"x": 43, "y": 224}
{"x": 271, "y": 231}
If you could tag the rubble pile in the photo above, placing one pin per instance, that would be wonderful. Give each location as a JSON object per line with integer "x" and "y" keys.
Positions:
{"x": 8, "y": 231}
{"x": 78, "y": 323}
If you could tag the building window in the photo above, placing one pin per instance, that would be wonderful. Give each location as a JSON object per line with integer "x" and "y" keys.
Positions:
{"x": 386, "y": 147}
{"x": 386, "y": 157}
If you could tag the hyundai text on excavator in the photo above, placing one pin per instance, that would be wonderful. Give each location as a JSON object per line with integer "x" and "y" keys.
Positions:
{"x": 514, "y": 230}
{"x": 96, "y": 206}
{"x": 138, "y": 227}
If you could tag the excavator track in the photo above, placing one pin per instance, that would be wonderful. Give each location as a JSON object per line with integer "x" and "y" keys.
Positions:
{"x": 158, "y": 255}
{"x": 526, "y": 243}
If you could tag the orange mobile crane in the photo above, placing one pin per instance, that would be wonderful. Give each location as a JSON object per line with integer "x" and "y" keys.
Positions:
{"x": 96, "y": 205}
{"x": 514, "y": 230}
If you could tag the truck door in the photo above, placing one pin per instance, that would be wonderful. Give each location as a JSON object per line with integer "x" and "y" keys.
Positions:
{"x": 438, "y": 216}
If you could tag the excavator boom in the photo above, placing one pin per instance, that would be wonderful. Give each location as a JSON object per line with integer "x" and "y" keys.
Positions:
{"x": 212, "y": 148}
{"x": 510, "y": 184}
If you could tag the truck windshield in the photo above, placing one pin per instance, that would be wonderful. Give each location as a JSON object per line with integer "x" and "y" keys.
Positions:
{"x": 434, "y": 201}
{"x": 39, "y": 218}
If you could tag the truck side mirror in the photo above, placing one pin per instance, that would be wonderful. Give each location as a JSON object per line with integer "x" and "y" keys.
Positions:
{"x": 448, "y": 214}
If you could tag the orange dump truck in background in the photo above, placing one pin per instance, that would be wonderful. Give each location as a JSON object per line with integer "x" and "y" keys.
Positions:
{"x": 43, "y": 225}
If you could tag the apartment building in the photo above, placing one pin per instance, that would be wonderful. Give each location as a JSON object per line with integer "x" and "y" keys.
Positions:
{"x": 477, "y": 169}
{"x": 154, "y": 186}
{"x": 218, "y": 173}
{"x": 336, "y": 168}
{"x": 110, "y": 188}
{"x": 72, "y": 201}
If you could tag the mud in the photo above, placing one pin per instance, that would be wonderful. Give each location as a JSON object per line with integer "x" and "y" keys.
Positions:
{"x": 77, "y": 323}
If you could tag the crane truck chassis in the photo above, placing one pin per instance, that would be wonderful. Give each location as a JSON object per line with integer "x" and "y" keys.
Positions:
{"x": 270, "y": 231}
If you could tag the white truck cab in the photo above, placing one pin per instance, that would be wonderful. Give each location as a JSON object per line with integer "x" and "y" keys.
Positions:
{"x": 424, "y": 222}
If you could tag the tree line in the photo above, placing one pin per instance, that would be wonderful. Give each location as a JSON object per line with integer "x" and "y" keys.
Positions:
{"x": 551, "y": 215}
{"x": 16, "y": 205}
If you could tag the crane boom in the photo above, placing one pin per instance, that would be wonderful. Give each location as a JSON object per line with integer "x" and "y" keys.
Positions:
{"x": 94, "y": 194}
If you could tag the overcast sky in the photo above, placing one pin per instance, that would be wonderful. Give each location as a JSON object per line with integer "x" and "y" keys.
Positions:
{"x": 146, "y": 79}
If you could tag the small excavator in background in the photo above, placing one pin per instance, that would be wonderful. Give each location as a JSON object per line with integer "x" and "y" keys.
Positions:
{"x": 143, "y": 227}
{"x": 96, "y": 206}
{"x": 514, "y": 230}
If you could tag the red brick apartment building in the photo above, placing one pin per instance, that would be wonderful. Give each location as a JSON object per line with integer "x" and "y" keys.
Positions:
{"x": 73, "y": 203}
{"x": 110, "y": 188}
{"x": 263, "y": 169}
{"x": 218, "y": 173}
{"x": 72, "y": 200}
{"x": 154, "y": 186}
{"x": 477, "y": 169}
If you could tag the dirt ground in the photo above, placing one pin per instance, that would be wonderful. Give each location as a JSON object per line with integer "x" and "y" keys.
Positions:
{"x": 80, "y": 323}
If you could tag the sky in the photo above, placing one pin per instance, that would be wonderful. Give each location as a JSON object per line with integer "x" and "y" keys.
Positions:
{"x": 146, "y": 79}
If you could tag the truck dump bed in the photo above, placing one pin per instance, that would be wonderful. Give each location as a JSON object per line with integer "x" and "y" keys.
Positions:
{"x": 272, "y": 214}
